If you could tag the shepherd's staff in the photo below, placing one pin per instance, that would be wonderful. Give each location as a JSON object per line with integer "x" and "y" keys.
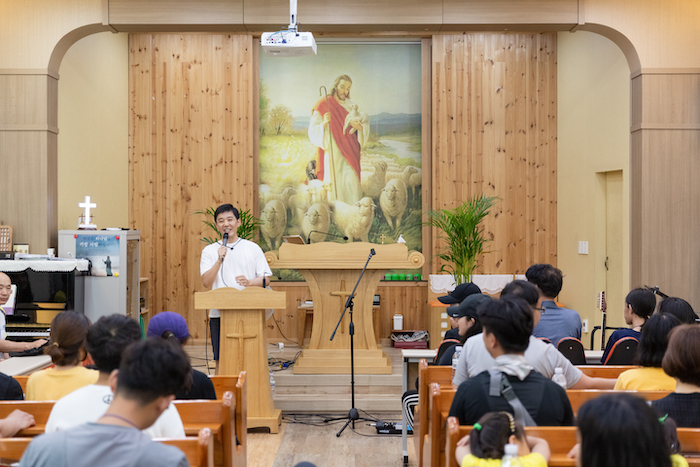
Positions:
{"x": 323, "y": 91}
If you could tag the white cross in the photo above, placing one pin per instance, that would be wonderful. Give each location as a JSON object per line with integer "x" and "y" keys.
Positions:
{"x": 87, "y": 205}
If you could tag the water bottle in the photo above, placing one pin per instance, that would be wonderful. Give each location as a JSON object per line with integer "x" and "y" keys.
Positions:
{"x": 272, "y": 384}
{"x": 455, "y": 360}
{"x": 510, "y": 458}
{"x": 559, "y": 377}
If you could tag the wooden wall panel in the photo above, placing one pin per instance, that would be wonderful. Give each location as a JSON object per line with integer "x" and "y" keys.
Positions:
{"x": 494, "y": 132}
{"x": 408, "y": 299}
{"x": 191, "y": 147}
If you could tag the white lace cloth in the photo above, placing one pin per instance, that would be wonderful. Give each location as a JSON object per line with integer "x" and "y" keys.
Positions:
{"x": 488, "y": 283}
{"x": 44, "y": 265}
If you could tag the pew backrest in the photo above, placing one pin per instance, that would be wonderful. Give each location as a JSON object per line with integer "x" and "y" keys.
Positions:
{"x": 198, "y": 450}
{"x": 604, "y": 371}
{"x": 426, "y": 376}
{"x": 561, "y": 439}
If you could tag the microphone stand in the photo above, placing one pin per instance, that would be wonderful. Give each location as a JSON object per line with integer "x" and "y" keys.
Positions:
{"x": 353, "y": 414}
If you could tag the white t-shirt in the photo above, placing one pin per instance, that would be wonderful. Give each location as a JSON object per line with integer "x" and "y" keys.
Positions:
{"x": 244, "y": 258}
{"x": 90, "y": 402}
{"x": 543, "y": 357}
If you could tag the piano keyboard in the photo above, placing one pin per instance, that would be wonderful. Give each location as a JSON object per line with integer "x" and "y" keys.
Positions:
{"x": 28, "y": 333}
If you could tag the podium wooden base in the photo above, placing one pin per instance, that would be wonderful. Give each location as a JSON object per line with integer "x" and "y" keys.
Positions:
{"x": 337, "y": 362}
{"x": 272, "y": 422}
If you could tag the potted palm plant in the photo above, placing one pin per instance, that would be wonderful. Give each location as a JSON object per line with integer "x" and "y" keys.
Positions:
{"x": 462, "y": 231}
{"x": 249, "y": 224}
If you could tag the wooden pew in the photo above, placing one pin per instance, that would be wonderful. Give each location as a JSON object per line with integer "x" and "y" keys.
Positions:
{"x": 604, "y": 371}
{"x": 440, "y": 401}
{"x": 39, "y": 409}
{"x": 439, "y": 407}
{"x": 197, "y": 450}
{"x": 427, "y": 375}
{"x": 22, "y": 380}
{"x": 578, "y": 397}
{"x": 219, "y": 416}
{"x": 561, "y": 440}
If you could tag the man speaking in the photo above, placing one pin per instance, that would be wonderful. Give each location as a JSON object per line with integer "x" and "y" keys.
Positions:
{"x": 231, "y": 262}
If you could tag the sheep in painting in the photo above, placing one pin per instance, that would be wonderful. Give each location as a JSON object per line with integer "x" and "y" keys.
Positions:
{"x": 372, "y": 185}
{"x": 300, "y": 202}
{"x": 414, "y": 182}
{"x": 317, "y": 218}
{"x": 404, "y": 175}
{"x": 393, "y": 201}
{"x": 274, "y": 221}
{"x": 355, "y": 219}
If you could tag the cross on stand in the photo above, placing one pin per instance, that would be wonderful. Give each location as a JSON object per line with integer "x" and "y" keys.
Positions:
{"x": 382, "y": 237}
{"x": 241, "y": 336}
{"x": 86, "y": 217}
{"x": 342, "y": 293}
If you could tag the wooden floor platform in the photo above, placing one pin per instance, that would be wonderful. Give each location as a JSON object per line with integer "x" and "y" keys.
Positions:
{"x": 325, "y": 393}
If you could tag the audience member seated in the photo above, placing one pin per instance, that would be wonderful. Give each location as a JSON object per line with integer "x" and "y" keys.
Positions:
{"x": 173, "y": 328}
{"x": 682, "y": 362}
{"x": 639, "y": 305}
{"x": 5, "y": 345}
{"x": 678, "y": 308}
{"x": 556, "y": 322}
{"x": 508, "y": 325}
{"x": 67, "y": 351}
{"x": 485, "y": 445}
{"x": 460, "y": 292}
{"x": 468, "y": 324}
{"x": 543, "y": 357}
{"x": 650, "y": 354}
{"x": 106, "y": 341}
{"x": 150, "y": 374}
{"x": 13, "y": 423}
{"x": 10, "y": 389}
{"x": 621, "y": 430}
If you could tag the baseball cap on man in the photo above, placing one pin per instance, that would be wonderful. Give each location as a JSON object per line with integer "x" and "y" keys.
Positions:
{"x": 460, "y": 292}
{"x": 468, "y": 306}
{"x": 168, "y": 321}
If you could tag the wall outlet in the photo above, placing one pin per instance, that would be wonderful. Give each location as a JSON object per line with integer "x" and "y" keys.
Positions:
{"x": 584, "y": 325}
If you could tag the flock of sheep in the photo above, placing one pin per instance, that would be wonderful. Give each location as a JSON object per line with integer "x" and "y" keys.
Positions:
{"x": 308, "y": 207}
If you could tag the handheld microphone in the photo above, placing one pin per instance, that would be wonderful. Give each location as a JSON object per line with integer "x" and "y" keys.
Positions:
{"x": 225, "y": 238}
{"x": 308, "y": 241}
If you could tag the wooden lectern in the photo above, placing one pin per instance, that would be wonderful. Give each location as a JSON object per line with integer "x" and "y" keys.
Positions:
{"x": 331, "y": 271}
{"x": 243, "y": 345}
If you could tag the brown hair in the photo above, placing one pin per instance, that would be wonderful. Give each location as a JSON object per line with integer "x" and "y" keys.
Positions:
{"x": 68, "y": 331}
{"x": 682, "y": 359}
{"x": 490, "y": 434}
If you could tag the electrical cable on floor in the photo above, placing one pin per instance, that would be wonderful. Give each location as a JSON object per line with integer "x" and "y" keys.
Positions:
{"x": 301, "y": 419}
{"x": 280, "y": 330}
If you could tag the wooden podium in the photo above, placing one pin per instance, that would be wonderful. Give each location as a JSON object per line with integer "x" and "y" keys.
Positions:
{"x": 243, "y": 345}
{"x": 331, "y": 271}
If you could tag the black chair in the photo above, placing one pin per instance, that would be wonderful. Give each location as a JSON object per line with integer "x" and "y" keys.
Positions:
{"x": 622, "y": 352}
{"x": 572, "y": 349}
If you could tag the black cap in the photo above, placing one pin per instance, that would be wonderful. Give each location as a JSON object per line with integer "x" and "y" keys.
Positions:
{"x": 460, "y": 292}
{"x": 468, "y": 306}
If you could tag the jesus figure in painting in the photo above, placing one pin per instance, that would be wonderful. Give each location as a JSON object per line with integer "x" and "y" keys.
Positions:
{"x": 341, "y": 143}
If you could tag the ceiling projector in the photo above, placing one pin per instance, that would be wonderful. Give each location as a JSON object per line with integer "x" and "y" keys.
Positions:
{"x": 289, "y": 42}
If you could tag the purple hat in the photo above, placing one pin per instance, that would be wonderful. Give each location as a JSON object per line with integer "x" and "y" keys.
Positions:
{"x": 460, "y": 292}
{"x": 168, "y": 321}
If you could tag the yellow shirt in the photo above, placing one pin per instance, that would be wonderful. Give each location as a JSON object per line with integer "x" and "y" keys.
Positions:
{"x": 534, "y": 459}
{"x": 678, "y": 461}
{"x": 51, "y": 384}
{"x": 645, "y": 379}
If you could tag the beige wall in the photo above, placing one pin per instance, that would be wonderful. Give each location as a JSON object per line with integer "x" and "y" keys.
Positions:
{"x": 594, "y": 101}
{"x": 93, "y": 156}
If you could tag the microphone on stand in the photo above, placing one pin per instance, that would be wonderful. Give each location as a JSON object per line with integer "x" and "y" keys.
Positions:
{"x": 372, "y": 252}
{"x": 225, "y": 241}
{"x": 308, "y": 240}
